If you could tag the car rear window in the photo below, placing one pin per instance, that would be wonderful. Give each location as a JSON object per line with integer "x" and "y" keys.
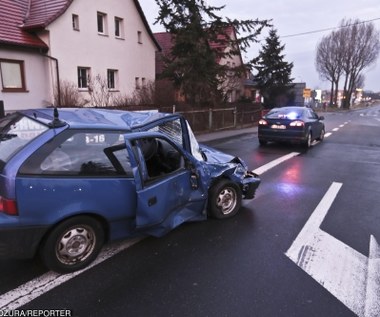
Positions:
{"x": 81, "y": 153}
{"x": 16, "y": 131}
{"x": 285, "y": 113}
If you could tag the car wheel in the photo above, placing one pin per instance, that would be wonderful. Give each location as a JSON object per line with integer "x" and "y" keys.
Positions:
{"x": 322, "y": 135}
{"x": 72, "y": 244}
{"x": 225, "y": 199}
{"x": 308, "y": 141}
{"x": 262, "y": 142}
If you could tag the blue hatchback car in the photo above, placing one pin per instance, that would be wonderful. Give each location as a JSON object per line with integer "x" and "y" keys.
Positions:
{"x": 72, "y": 179}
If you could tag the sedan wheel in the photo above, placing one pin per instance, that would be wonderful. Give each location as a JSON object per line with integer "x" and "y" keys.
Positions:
{"x": 225, "y": 199}
{"x": 308, "y": 141}
{"x": 322, "y": 135}
{"x": 262, "y": 142}
{"x": 73, "y": 244}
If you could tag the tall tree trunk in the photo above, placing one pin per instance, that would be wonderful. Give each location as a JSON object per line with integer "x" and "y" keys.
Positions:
{"x": 332, "y": 94}
{"x": 336, "y": 92}
{"x": 345, "y": 91}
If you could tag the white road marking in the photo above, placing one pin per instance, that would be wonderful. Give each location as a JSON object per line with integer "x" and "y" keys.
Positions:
{"x": 274, "y": 163}
{"x": 341, "y": 126}
{"x": 350, "y": 276}
{"x": 327, "y": 134}
{"x": 335, "y": 129}
{"x": 46, "y": 282}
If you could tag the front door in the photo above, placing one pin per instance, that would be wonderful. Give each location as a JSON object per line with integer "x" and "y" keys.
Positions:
{"x": 168, "y": 184}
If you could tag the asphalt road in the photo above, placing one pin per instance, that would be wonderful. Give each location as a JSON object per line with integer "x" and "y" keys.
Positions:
{"x": 243, "y": 266}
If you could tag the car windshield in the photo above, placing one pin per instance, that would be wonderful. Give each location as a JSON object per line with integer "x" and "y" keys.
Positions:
{"x": 195, "y": 150}
{"x": 285, "y": 113}
{"x": 16, "y": 131}
{"x": 173, "y": 129}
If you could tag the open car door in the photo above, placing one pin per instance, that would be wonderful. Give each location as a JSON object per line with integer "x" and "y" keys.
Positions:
{"x": 171, "y": 185}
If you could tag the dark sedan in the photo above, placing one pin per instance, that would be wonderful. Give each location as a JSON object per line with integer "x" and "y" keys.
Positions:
{"x": 300, "y": 125}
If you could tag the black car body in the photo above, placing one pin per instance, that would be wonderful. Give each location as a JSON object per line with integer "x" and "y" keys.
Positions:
{"x": 300, "y": 125}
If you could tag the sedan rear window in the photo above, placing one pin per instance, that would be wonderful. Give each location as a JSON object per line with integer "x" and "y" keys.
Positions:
{"x": 285, "y": 113}
{"x": 15, "y": 132}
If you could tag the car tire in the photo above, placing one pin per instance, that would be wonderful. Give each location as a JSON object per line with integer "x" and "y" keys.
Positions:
{"x": 321, "y": 136}
{"x": 224, "y": 199}
{"x": 308, "y": 141}
{"x": 72, "y": 244}
{"x": 262, "y": 142}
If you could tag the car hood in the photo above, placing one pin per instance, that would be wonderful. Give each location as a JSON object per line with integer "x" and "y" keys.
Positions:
{"x": 215, "y": 156}
{"x": 221, "y": 161}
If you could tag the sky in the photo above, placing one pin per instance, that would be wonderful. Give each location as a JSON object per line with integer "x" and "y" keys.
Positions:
{"x": 292, "y": 17}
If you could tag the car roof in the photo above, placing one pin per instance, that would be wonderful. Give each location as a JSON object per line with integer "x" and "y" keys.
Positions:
{"x": 99, "y": 118}
{"x": 290, "y": 108}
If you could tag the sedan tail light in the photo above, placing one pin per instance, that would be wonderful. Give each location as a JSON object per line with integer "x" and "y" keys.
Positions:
{"x": 297, "y": 123}
{"x": 8, "y": 206}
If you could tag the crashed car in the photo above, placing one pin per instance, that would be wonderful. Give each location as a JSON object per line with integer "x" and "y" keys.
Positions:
{"x": 72, "y": 179}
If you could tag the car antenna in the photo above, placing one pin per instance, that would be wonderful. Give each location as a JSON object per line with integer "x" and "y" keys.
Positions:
{"x": 56, "y": 123}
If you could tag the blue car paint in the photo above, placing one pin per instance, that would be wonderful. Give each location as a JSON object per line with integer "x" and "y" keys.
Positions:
{"x": 122, "y": 204}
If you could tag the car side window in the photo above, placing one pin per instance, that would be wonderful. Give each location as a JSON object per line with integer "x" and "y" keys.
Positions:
{"x": 160, "y": 157}
{"x": 81, "y": 154}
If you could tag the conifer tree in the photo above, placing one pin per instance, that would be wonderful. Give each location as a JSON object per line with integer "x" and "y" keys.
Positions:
{"x": 273, "y": 72}
{"x": 199, "y": 40}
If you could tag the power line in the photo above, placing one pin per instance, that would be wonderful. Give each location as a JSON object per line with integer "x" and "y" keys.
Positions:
{"x": 327, "y": 29}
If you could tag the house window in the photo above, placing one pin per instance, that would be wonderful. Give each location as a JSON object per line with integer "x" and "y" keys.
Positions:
{"x": 83, "y": 77}
{"x": 137, "y": 82}
{"x": 143, "y": 82}
{"x": 139, "y": 37}
{"x": 102, "y": 23}
{"x": 75, "y": 19}
{"x": 12, "y": 75}
{"x": 112, "y": 79}
{"x": 119, "y": 29}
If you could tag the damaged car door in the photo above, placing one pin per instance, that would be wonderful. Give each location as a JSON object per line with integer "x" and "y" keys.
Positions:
{"x": 170, "y": 186}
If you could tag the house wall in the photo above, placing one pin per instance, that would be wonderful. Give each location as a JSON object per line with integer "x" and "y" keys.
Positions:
{"x": 38, "y": 92}
{"x": 87, "y": 48}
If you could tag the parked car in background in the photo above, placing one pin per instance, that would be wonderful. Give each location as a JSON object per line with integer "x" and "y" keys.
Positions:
{"x": 73, "y": 179}
{"x": 300, "y": 125}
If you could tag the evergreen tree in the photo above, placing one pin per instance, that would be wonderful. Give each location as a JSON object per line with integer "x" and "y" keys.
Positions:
{"x": 199, "y": 40}
{"x": 274, "y": 73}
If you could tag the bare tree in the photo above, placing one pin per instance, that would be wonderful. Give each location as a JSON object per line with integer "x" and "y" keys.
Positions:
{"x": 329, "y": 63}
{"x": 99, "y": 92}
{"x": 362, "y": 50}
{"x": 69, "y": 95}
{"x": 347, "y": 52}
{"x": 144, "y": 95}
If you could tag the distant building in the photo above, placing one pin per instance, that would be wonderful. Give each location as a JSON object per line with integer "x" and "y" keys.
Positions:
{"x": 233, "y": 87}
{"x": 298, "y": 91}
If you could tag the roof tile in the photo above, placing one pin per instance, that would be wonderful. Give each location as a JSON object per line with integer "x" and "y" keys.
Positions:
{"x": 12, "y": 13}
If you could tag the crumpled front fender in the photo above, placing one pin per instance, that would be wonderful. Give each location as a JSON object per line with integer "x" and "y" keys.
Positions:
{"x": 236, "y": 170}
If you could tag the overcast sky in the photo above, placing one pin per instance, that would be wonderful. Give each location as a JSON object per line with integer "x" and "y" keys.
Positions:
{"x": 291, "y": 17}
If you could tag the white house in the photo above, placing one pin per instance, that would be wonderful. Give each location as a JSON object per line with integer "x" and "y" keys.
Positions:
{"x": 42, "y": 41}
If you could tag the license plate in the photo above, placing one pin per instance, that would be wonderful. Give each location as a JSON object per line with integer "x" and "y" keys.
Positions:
{"x": 277, "y": 126}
